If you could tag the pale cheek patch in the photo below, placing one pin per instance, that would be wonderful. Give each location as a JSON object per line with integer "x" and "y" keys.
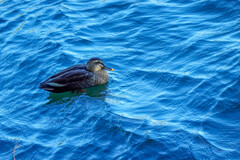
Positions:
{"x": 97, "y": 68}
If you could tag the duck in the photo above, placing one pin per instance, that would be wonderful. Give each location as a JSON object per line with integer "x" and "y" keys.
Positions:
{"x": 78, "y": 77}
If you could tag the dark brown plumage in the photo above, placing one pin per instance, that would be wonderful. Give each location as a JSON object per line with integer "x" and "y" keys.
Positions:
{"x": 77, "y": 77}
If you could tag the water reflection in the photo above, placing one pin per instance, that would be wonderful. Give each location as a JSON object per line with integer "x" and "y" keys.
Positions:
{"x": 99, "y": 92}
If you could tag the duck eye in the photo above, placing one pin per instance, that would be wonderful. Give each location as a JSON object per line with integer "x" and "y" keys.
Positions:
{"x": 100, "y": 63}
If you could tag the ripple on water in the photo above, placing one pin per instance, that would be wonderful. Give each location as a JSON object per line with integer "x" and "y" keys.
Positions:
{"x": 174, "y": 93}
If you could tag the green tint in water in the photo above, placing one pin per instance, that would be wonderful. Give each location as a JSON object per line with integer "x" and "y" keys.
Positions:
{"x": 97, "y": 91}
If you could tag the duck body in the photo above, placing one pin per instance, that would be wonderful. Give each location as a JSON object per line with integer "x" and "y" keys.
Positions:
{"x": 77, "y": 77}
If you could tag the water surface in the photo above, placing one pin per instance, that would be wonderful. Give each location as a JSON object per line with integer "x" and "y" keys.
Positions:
{"x": 174, "y": 93}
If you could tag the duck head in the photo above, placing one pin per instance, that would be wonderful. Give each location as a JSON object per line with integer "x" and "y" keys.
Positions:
{"x": 96, "y": 64}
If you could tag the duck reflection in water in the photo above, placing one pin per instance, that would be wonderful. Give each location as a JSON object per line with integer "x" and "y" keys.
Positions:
{"x": 99, "y": 92}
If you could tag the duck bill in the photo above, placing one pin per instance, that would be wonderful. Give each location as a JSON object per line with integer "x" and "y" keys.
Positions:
{"x": 110, "y": 69}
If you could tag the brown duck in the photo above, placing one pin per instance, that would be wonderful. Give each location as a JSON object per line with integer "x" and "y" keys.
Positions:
{"x": 78, "y": 77}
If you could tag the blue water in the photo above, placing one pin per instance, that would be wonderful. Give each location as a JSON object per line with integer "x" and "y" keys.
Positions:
{"x": 174, "y": 94}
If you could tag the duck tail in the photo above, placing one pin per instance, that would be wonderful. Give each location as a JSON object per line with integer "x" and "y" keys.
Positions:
{"x": 46, "y": 87}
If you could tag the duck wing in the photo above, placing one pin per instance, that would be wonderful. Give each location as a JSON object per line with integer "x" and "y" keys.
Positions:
{"x": 72, "y": 68}
{"x": 70, "y": 79}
